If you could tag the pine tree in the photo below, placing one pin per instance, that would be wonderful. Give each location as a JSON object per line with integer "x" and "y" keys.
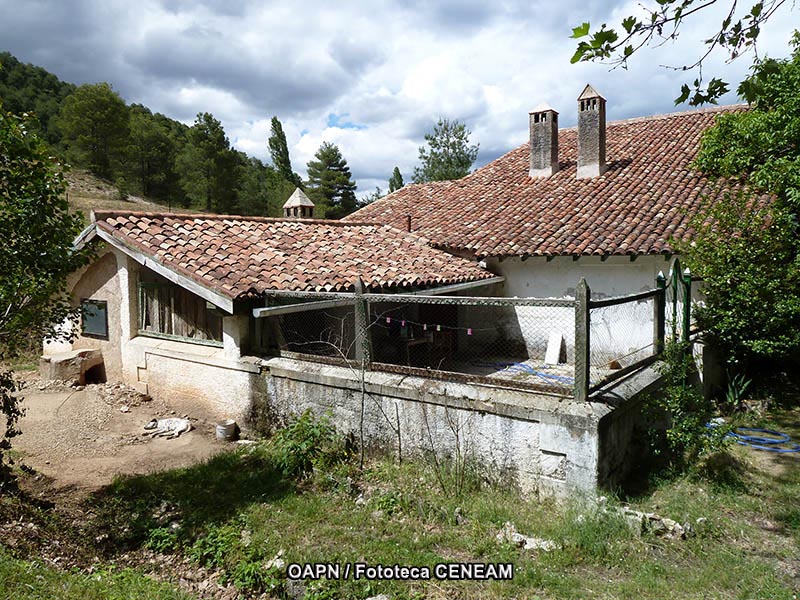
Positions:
{"x": 208, "y": 167}
{"x": 448, "y": 155}
{"x": 279, "y": 151}
{"x": 94, "y": 121}
{"x": 330, "y": 183}
{"x": 395, "y": 181}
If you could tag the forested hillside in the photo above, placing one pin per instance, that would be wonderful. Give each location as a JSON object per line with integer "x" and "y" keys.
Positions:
{"x": 149, "y": 154}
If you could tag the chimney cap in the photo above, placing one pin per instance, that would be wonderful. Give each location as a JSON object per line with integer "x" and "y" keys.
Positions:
{"x": 590, "y": 92}
{"x": 298, "y": 198}
{"x": 543, "y": 107}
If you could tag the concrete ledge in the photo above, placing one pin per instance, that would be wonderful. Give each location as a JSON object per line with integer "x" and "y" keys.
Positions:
{"x": 70, "y": 366}
{"x": 516, "y": 404}
{"x": 204, "y": 355}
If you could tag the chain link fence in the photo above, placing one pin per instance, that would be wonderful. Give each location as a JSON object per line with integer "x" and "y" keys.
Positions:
{"x": 621, "y": 335}
{"x": 566, "y": 346}
{"x": 504, "y": 341}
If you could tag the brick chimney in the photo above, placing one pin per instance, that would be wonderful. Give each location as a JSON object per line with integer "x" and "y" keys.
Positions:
{"x": 591, "y": 134}
{"x": 544, "y": 141}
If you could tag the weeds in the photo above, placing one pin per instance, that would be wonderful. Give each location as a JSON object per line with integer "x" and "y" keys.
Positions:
{"x": 688, "y": 413}
{"x": 237, "y": 512}
{"x": 308, "y": 443}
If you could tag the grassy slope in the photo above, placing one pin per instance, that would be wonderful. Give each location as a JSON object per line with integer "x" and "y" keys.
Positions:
{"x": 236, "y": 512}
{"x": 31, "y": 580}
{"x": 87, "y": 192}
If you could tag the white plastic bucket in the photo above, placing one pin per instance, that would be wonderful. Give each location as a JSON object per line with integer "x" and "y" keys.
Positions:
{"x": 226, "y": 430}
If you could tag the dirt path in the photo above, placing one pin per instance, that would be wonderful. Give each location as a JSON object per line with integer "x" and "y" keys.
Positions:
{"x": 82, "y": 438}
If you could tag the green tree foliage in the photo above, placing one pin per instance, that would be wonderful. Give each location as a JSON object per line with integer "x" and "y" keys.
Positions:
{"x": 150, "y": 153}
{"x": 747, "y": 248}
{"x": 747, "y": 257}
{"x": 371, "y": 197}
{"x": 330, "y": 184}
{"x": 262, "y": 191}
{"x": 26, "y": 88}
{"x": 396, "y": 180}
{"x": 94, "y": 124}
{"x": 36, "y": 234}
{"x": 448, "y": 154}
{"x": 208, "y": 168}
{"x": 279, "y": 151}
{"x": 736, "y": 35}
{"x": 762, "y": 144}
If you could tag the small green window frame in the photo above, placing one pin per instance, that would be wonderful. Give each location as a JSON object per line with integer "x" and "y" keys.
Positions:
{"x": 94, "y": 318}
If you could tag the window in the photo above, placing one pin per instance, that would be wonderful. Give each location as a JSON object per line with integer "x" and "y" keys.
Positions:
{"x": 94, "y": 319}
{"x": 168, "y": 310}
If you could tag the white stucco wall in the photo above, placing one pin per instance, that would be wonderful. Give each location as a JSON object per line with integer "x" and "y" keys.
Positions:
{"x": 195, "y": 379}
{"x": 97, "y": 281}
{"x": 615, "y": 330}
{"x": 547, "y": 444}
{"x": 559, "y": 277}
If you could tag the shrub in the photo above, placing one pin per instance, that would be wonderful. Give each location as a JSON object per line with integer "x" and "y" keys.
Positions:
{"x": 308, "y": 443}
{"x": 162, "y": 539}
{"x": 747, "y": 257}
{"x": 687, "y": 411}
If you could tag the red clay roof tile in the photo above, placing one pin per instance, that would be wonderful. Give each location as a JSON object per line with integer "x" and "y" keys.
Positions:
{"x": 646, "y": 197}
{"x": 240, "y": 256}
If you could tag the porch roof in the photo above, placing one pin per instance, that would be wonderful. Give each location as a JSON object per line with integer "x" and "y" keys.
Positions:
{"x": 239, "y": 257}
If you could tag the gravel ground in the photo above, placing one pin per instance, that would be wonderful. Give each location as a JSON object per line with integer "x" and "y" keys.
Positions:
{"x": 82, "y": 436}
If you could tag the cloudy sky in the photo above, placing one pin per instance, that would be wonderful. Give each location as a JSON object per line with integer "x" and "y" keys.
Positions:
{"x": 372, "y": 77}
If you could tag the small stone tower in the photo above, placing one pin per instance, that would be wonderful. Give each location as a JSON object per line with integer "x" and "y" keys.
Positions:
{"x": 591, "y": 133}
{"x": 298, "y": 206}
{"x": 544, "y": 141}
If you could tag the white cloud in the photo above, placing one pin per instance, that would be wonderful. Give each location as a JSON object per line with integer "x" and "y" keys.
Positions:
{"x": 392, "y": 67}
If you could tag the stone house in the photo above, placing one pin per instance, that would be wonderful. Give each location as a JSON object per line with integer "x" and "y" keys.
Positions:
{"x": 598, "y": 201}
{"x": 240, "y": 315}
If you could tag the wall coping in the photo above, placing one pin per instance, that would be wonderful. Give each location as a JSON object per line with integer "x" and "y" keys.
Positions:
{"x": 517, "y": 404}
{"x": 196, "y": 353}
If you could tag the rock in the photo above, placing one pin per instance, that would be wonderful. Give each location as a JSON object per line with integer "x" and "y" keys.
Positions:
{"x": 533, "y": 543}
{"x": 379, "y": 597}
{"x": 509, "y": 534}
{"x": 276, "y": 562}
{"x": 125, "y": 409}
{"x": 295, "y": 589}
{"x": 459, "y": 517}
{"x": 660, "y": 526}
{"x": 360, "y": 501}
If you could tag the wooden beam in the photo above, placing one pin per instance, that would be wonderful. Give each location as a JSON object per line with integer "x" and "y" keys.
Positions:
{"x": 216, "y": 299}
{"x": 271, "y": 311}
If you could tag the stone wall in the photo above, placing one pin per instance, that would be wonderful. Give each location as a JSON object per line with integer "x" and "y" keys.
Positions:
{"x": 549, "y": 446}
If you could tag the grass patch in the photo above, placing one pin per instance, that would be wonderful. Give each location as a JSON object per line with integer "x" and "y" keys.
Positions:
{"x": 250, "y": 512}
{"x": 31, "y": 580}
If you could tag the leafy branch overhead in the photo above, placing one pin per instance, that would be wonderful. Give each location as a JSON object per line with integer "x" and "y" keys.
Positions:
{"x": 737, "y": 34}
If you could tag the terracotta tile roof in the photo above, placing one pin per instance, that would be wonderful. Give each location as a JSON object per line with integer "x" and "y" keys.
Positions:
{"x": 241, "y": 256}
{"x": 644, "y": 199}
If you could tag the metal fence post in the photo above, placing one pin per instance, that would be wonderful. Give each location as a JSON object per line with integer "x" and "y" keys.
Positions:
{"x": 686, "y": 279}
{"x": 674, "y": 276}
{"x": 659, "y": 313}
{"x": 583, "y": 296}
{"x": 362, "y": 341}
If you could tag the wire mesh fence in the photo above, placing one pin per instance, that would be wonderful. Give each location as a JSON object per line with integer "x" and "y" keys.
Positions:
{"x": 506, "y": 342}
{"x": 620, "y": 336}
{"x": 327, "y": 333}
{"x": 563, "y": 345}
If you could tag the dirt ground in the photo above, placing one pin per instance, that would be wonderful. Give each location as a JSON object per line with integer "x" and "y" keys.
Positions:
{"x": 81, "y": 438}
